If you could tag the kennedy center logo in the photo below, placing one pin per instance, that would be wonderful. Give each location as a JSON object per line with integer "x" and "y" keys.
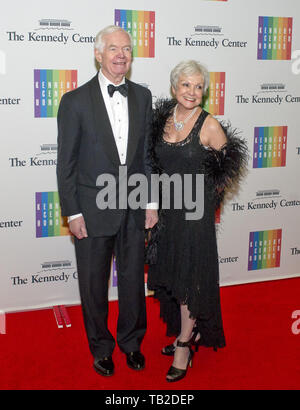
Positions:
{"x": 264, "y": 249}
{"x": 269, "y": 147}
{"x": 274, "y": 38}
{"x": 48, "y": 217}
{"x": 49, "y": 87}
{"x": 216, "y": 98}
{"x": 141, "y": 26}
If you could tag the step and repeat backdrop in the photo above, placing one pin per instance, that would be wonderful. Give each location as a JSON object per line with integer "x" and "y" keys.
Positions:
{"x": 252, "y": 51}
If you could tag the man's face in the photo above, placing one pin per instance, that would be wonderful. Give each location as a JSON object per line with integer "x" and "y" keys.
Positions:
{"x": 115, "y": 59}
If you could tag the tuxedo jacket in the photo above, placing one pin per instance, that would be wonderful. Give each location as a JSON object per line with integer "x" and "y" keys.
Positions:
{"x": 87, "y": 149}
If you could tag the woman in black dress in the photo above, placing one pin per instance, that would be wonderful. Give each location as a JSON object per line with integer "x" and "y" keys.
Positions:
{"x": 185, "y": 274}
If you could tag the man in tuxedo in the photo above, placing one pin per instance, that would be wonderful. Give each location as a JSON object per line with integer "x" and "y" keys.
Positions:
{"x": 102, "y": 125}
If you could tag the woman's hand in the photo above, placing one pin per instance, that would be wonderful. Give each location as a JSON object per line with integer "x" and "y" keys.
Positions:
{"x": 151, "y": 218}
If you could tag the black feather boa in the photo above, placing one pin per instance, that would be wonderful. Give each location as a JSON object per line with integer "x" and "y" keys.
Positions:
{"x": 162, "y": 110}
{"x": 223, "y": 168}
{"x": 226, "y": 167}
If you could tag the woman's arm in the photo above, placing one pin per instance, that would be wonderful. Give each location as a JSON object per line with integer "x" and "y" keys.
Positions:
{"x": 212, "y": 134}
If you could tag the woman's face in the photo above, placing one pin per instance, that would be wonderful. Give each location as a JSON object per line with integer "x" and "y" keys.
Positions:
{"x": 189, "y": 91}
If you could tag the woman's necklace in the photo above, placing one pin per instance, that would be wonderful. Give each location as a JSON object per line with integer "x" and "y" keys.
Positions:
{"x": 180, "y": 124}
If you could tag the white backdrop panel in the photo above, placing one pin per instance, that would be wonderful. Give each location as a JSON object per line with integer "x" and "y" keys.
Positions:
{"x": 41, "y": 271}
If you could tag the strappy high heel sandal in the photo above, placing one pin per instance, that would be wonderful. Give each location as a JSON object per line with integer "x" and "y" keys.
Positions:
{"x": 195, "y": 342}
{"x": 178, "y": 374}
{"x": 169, "y": 350}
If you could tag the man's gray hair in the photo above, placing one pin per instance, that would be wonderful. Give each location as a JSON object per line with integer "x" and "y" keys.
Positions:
{"x": 99, "y": 40}
{"x": 188, "y": 68}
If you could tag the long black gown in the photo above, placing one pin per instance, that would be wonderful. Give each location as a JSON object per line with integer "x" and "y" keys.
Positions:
{"x": 186, "y": 269}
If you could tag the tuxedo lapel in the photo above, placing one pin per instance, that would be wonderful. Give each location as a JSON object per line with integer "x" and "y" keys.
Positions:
{"x": 133, "y": 134}
{"x": 103, "y": 126}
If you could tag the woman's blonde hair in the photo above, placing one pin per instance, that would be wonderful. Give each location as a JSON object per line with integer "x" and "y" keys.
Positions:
{"x": 188, "y": 68}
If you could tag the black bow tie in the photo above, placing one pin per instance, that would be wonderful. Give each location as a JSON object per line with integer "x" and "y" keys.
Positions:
{"x": 123, "y": 89}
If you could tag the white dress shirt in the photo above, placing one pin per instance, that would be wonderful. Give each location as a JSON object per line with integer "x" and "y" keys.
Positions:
{"x": 117, "y": 109}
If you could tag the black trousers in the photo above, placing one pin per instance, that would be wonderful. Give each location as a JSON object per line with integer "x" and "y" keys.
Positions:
{"x": 94, "y": 257}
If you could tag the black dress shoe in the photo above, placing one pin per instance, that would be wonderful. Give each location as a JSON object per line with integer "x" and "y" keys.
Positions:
{"x": 135, "y": 360}
{"x": 104, "y": 366}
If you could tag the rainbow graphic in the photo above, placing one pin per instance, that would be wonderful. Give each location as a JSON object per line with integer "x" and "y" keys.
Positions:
{"x": 215, "y": 102}
{"x": 141, "y": 26}
{"x": 264, "y": 249}
{"x": 270, "y": 145}
{"x": 218, "y": 215}
{"x": 114, "y": 272}
{"x": 49, "y": 87}
{"x": 48, "y": 218}
{"x": 274, "y": 38}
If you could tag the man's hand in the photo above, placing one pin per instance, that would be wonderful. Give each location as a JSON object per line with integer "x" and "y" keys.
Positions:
{"x": 151, "y": 218}
{"x": 78, "y": 228}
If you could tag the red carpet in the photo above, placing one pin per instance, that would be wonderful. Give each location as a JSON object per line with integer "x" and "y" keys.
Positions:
{"x": 262, "y": 351}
